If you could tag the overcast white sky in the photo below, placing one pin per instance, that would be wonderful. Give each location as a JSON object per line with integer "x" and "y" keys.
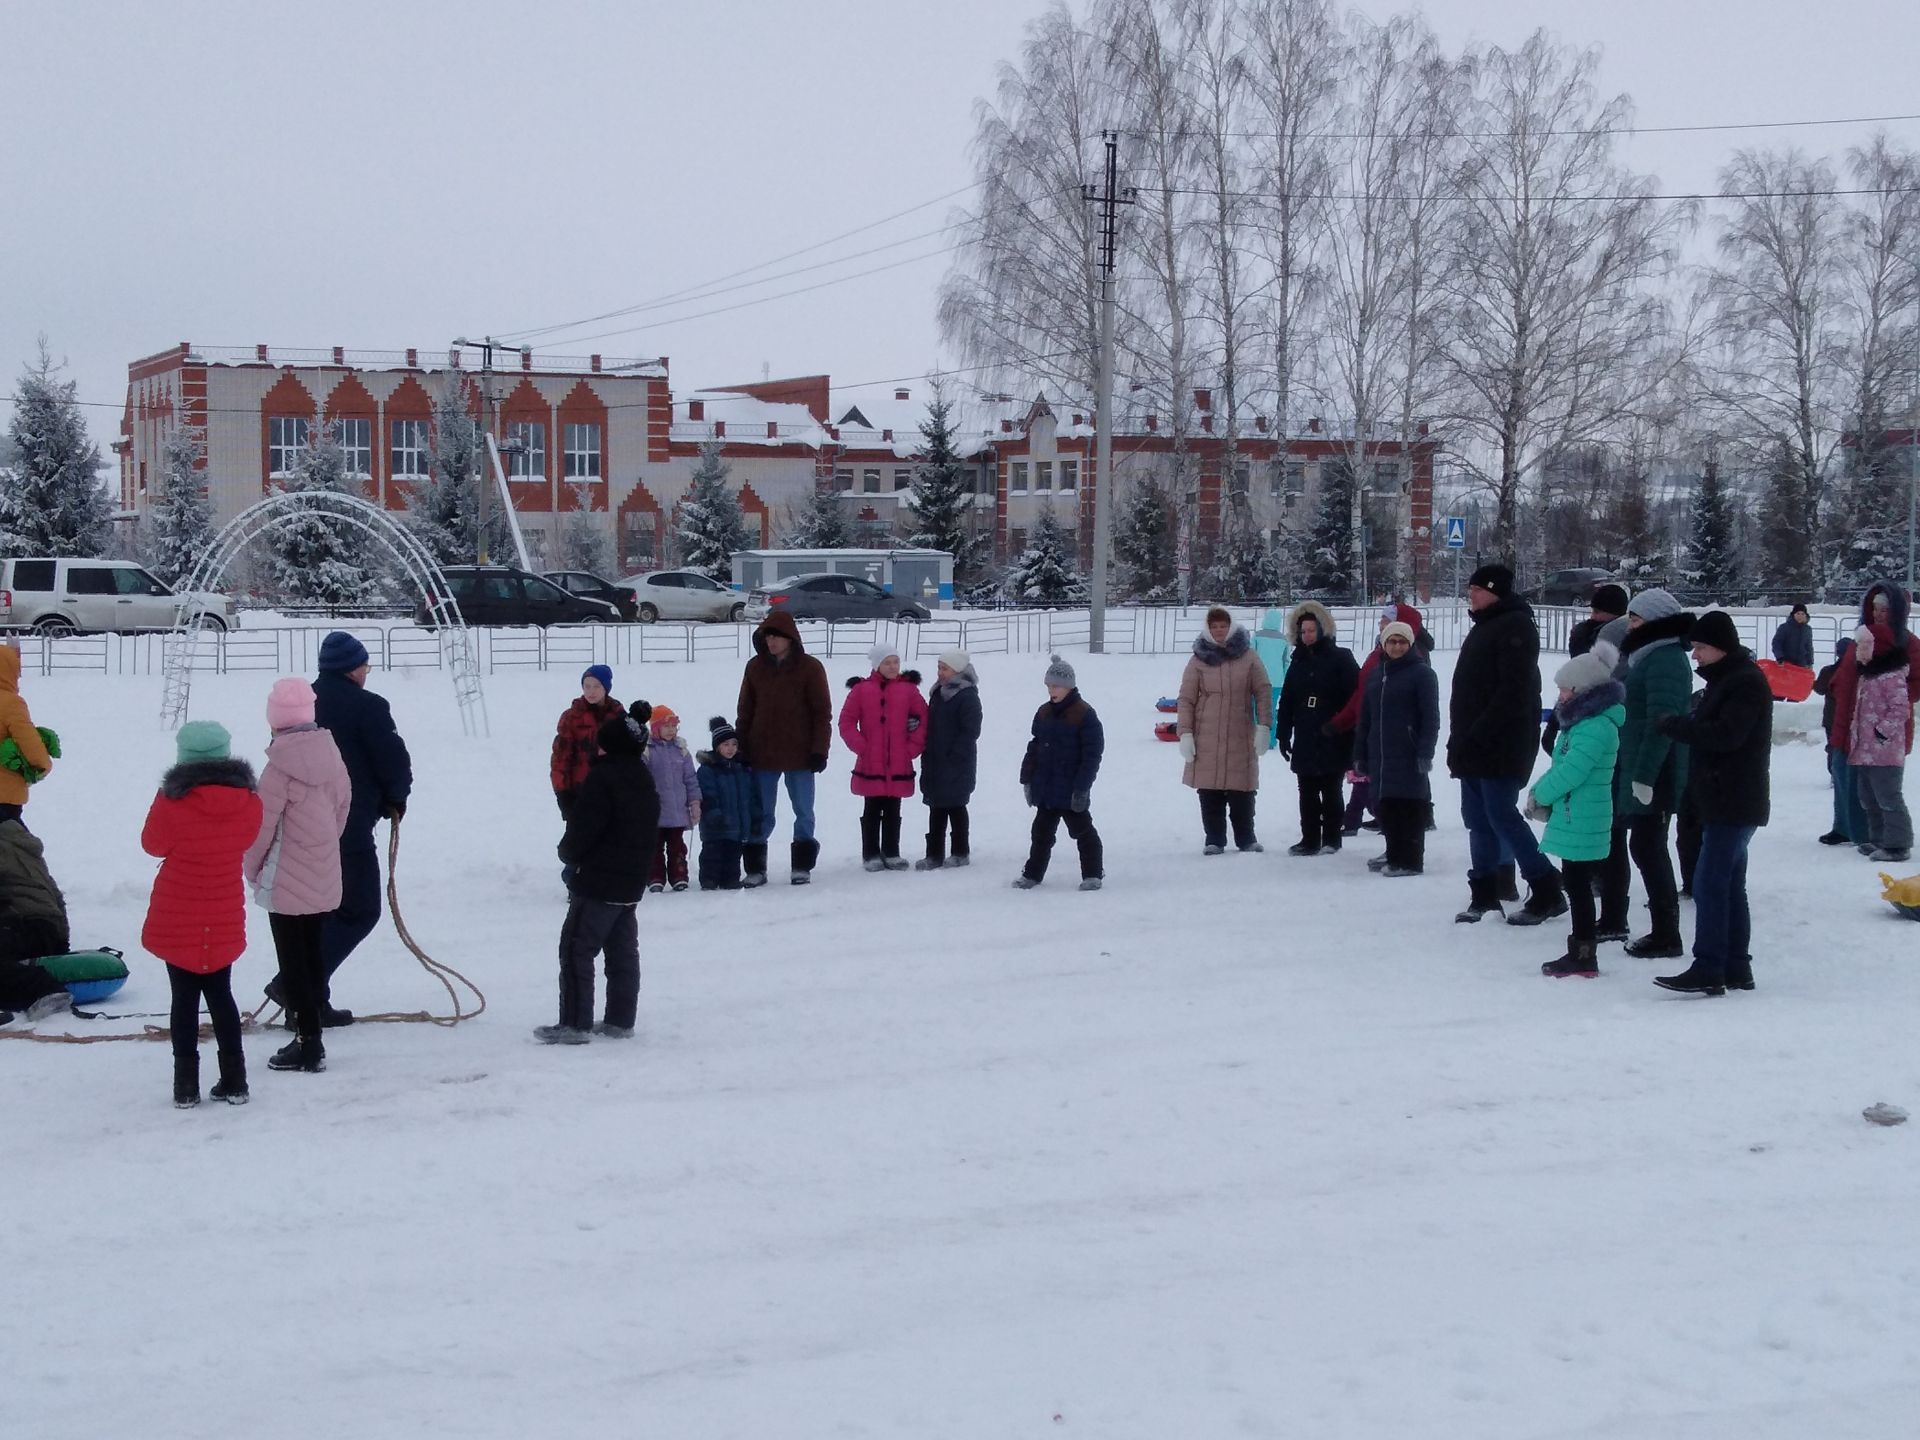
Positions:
{"x": 380, "y": 175}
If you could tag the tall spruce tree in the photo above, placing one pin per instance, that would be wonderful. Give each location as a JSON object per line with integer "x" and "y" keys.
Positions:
{"x": 443, "y": 510}
{"x": 1145, "y": 548}
{"x": 313, "y": 558}
{"x": 819, "y": 524}
{"x": 1787, "y": 545}
{"x": 51, "y": 499}
{"x": 711, "y": 525}
{"x": 1867, "y": 520}
{"x": 1711, "y": 564}
{"x": 585, "y": 543}
{"x": 1045, "y": 573}
{"x": 941, "y": 500}
{"x": 1331, "y": 567}
{"x": 1243, "y": 568}
{"x": 181, "y": 515}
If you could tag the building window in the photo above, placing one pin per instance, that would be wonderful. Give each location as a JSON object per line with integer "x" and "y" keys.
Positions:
{"x": 1386, "y": 476}
{"x": 642, "y": 529}
{"x": 843, "y": 481}
{"x": 1017, "y": 477}
{"x": 583, "y": 452}
{"x": 1069, "y": 474}
{"x": 411, "y": 452}
{"x": 356, "y": 446}
{"x": 1243, "y": 477}
{"x": 527, "y": 452}
{"x": 903, "y": 479}
{"x": 1289, "y": 481}
{"x": 1043, "y": 475}
{"x": 286, "y": 438}
{"x": 870, "y": 482}
{"x": 1016, "y": 541}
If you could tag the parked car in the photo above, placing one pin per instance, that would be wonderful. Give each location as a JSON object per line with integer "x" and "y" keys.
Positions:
{"x": 67, "y": 596}
{"x": 586, "y": 583}
{"x": 502, "y": 595}
{"x": 1571, "y": 587}
{"x": 832, "y": 597}
{"x": 684, "y": 595}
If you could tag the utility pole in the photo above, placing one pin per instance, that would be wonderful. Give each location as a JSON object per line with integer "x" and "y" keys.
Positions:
{"x": 1913, "y": 454}
{"x": 1109, "y": 197}
{"x": 486, "y": 347}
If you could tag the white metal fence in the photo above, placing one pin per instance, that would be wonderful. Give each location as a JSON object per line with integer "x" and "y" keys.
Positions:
{"x": 294, "y": 650}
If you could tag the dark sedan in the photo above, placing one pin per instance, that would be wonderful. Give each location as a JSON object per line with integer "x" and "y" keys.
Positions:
{"x": 585, "y": 583}
{"x": 502, "y": 595}
{"x": 832, "y": 597}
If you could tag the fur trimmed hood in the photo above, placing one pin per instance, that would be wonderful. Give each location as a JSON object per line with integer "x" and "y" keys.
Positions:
{"x": 1668, "y": 630}
{"x": 1311, "y": 609}
{"x": 1589, "y": 703}
{"x": 1209, "y": 652}
{"x": 911, "y": 677}
{"x": 179, "y": 779}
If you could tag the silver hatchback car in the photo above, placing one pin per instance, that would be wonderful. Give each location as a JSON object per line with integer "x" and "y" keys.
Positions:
{"x": 683, "y": 595}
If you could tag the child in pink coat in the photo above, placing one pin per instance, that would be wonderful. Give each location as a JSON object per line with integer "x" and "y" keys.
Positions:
{"x": 294, "y": 865}
{"x": 1881, "y": 734}
{"x": 884, "y": 724}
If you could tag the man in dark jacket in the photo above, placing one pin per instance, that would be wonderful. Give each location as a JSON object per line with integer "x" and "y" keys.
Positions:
{"x": 1494, "y": 724}
{"x": 609, "y": 843}
{"x": 1057, "y": 772}
{"x": 1793, "y": 640}
{"x": 361, "y": 724}
{"x": 1731, "y": 735}
{"x": 1609, "y": 603}
{"x": 1321, "y": 678}
{"x": 785, "y": 716}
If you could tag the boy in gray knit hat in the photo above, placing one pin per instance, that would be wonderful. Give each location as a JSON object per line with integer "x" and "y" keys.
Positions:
{"x": 1062, "y": 759}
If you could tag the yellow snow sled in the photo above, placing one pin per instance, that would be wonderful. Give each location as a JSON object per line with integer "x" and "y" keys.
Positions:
{"x": 1903, "y": 895}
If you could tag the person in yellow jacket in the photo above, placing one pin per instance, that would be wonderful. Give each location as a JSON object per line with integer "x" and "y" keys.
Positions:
{"x": 16, "y": 724}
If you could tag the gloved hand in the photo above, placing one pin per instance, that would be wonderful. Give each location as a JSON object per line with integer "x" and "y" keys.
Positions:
{"x": 1262, "y": 740}
{"x": 1286, "y": 750}
{"x": 1188, "y": 749}
{"x": 1081, "y": 799}
{"x": 913, "y": 723}
{"x": 1027, "y": 790}
{"x": 1537, "y": 811}
{"x": 396, "y": 811}
{"x": 1643, "y": 793}
{"x": 817, "y": 763}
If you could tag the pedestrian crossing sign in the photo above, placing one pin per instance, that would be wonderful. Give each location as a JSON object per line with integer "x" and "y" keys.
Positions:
{"x": 1456, "y": 532}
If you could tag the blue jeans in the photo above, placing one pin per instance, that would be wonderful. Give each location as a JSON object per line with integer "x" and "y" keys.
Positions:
{"x": 1722, "y": 925}
{"x": 1497, "y": 833}
{"x": 799, "y": 792}
{"x": 1849, "y": 819}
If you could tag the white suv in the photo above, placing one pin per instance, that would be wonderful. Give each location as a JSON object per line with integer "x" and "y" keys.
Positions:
{"x": 61, "y": 597}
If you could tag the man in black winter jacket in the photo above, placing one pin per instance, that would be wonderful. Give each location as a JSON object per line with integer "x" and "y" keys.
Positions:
{"x": 1730, "y": 735}
{"x": 1494, "y": 725}
{"x": 609, "y": 843}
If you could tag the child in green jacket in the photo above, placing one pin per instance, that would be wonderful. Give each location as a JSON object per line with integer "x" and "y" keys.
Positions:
{"x": 1575, "y": 796}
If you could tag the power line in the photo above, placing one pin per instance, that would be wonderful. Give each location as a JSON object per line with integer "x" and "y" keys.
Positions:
{"x": 1499, "y": 134}
{"x": 1308, "y": 198}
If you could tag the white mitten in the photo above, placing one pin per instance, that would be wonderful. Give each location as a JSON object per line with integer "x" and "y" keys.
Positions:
{"x": 1643, "y": 793}
{"x": 1187, "y": 747}
{"x": 1262, "y": 740}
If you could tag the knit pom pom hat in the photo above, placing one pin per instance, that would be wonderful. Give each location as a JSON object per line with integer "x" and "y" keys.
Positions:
{"x": 1060, "y": 673}
{"x": 1584, "y": 672}
{"x": 721, "y": 731}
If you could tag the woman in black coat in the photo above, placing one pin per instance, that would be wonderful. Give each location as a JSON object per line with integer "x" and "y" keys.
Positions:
{"x": 951, "y": 760}
{"x": 1320, "y": 679}
{"x": 1393, "y": 747}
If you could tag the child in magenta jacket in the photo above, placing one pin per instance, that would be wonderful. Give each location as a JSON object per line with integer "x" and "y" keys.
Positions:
{"x": 884, "y": 724}
{"x": 1880, "y": 736}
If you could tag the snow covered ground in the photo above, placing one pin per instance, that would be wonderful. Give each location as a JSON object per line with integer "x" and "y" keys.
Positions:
{"x": 1249, "y": 1145}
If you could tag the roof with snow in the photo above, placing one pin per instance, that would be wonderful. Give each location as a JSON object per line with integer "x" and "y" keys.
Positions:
{"x": 747, "y": 419}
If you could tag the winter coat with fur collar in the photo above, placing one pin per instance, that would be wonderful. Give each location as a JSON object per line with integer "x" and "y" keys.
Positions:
{"x": 1224, "y": 693}
{"x": 1578, "y": 786}
{"x": 200, "y": 825}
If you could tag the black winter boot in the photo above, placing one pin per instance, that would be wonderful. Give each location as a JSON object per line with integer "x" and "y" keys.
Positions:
{"x": 802, "y": 857}
{"x": 890, "y": 843}
{"x": 1481, "y": 900}
{"x": 870, "y": 843}
{"x": 1546, "y": 898}
{"x": 232, "y": 1085}
{"x": 186, "y": 1081}
{"x": 305, "y": 1053}
{"x": 1578, "y": 961}
{"x": 1696, "y": 979}
{"x": 1506, "y": 884}
{"x": 1663, "y": 942}
{"x": 753, "y": 862}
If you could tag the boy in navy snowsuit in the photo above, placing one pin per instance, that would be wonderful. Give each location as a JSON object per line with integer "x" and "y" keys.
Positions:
{"x": 729, "y": 808}
{"x": 1062, "y": 759}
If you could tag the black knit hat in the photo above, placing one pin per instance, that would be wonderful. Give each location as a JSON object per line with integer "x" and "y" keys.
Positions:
{"x": 1497, "y": 578}
{"x": 618, "y": 735}
{"x": 1715, "y": 628}
{"x": 722, "y": 731}
{"x": 1609, "y": 600}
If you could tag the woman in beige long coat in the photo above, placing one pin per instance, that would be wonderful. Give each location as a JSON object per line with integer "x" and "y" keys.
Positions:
{"x": 1226, "y": 724}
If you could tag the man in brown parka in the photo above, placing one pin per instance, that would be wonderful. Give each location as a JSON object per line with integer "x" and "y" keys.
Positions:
{"x": 785, "y": 718}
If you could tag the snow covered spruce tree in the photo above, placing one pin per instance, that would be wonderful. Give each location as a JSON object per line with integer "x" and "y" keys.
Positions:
{"x": 443, "y": 510}
{"x": 941, "y": 500}
{"x": 711, "y": 525}
{"x": 819, "y": 524}
{"x": 1243, "y": 568}
{"x": 314, "y": 558}
{"x": 181, "y": 520}
{"x": 51, "y": 499}
{"x": 1330, "y": 558}
{"x": 1710, "y": 563}
{"x": 1045, "y": 572}
{"x": 584, "y": 542}
{"x": 1145, "y": 558}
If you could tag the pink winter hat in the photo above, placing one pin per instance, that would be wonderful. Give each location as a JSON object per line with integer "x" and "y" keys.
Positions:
{"x": 289, "y": 703}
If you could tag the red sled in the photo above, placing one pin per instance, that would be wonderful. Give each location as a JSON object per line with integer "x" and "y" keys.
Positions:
{"x": 1788, "y": 682}
{"x": 1167, "y": 730}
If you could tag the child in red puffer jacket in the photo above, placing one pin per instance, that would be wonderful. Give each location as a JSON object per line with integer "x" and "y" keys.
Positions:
{"x": 200, "y": 825}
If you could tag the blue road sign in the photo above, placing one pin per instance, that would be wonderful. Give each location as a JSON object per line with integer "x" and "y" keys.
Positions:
{"x": 1456, "y": 532}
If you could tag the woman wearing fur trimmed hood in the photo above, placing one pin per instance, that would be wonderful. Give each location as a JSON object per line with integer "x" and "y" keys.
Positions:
{"x": 1575, "y": 796}
{"x": 1320, "y": 680}
{"x": 1226, "y": 724}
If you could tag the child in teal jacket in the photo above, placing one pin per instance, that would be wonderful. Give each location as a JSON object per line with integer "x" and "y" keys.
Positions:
{"x": 1575, "y": 796}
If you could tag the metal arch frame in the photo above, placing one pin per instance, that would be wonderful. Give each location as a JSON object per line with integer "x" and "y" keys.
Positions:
{"x": 273, "y": 511}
